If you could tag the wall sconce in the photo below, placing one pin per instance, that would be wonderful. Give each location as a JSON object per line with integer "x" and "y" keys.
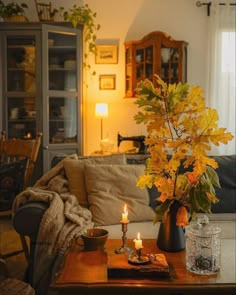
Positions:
{"x": 101, "y": 111}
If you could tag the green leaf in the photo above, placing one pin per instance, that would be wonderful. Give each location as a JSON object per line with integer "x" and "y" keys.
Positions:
{"x": 213, "y": 176}
{"x": 161, "y": 209}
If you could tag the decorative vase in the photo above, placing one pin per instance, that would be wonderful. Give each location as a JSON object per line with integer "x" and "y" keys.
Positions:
{"x": 171, "y": 238}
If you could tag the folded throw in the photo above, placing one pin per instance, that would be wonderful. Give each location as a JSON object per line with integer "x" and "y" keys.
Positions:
{"x": 62, "y": 222}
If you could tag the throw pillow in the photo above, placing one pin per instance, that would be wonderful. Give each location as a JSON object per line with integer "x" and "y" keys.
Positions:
{"x": 74, "y": 170}
{"x": 11, "y": 182}
{"x": 227, "y": 176}
{"x": 110, "y": 187}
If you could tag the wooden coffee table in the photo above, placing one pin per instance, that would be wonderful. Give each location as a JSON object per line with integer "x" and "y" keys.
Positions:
{"x": 87, "y": 273}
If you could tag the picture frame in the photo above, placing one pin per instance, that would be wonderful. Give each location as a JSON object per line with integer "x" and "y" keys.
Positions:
{"x": 106, "y": 54}
{"x": 107, "y": 82}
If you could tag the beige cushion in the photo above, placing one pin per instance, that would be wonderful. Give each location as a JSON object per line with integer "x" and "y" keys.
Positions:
{"x": 74, "y": 170}
{"x": 110, "y": 187}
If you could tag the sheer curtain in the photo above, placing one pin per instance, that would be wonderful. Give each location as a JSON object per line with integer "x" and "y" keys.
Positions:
{"x": 221, "y": 69}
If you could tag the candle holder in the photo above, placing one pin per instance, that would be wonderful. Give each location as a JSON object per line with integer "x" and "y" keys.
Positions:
{"x": 124, "y": 249}
{"x": 139, "y": 258}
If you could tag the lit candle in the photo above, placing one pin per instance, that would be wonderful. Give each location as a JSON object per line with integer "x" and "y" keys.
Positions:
{"x": 125, "y": 215}
{"x": 138, "y": 242}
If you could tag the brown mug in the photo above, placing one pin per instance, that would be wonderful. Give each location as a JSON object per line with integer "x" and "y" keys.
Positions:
{"x": 94, "y": 239}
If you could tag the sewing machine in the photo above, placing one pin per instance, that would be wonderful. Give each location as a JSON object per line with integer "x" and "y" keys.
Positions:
{"x": 138, "y": 140}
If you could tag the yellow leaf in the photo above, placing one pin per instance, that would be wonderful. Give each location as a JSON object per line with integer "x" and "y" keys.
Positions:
{"x": 145, "y": 181}
{"x": 212, "y": 198}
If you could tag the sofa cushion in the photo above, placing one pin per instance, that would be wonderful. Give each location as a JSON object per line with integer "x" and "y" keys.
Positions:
{"x": 110, "y": 187}
{"x": 227, "y": 177}
{"x": 75, "y": 173}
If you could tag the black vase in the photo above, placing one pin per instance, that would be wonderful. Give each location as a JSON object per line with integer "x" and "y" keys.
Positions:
{"x": 171, "y": 238}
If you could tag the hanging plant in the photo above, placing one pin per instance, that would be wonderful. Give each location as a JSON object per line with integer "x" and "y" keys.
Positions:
{"x": 83, "y": 15}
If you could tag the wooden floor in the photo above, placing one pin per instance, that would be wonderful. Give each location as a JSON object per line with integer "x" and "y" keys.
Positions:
{"x": 9, "y": 242}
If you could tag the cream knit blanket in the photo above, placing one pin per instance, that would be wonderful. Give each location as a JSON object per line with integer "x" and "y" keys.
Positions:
{"x": 63, "y": 221}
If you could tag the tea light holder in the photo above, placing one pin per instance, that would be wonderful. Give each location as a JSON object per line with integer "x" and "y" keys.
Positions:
{"x": 138, "y": 258}
{"x": 124, "y": 249}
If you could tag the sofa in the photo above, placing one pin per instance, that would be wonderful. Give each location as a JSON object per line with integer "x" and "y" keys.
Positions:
{"x": 102, "y": 185}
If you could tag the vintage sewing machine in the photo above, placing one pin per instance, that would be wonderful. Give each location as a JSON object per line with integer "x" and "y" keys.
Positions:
{"x": 138, "y": 141}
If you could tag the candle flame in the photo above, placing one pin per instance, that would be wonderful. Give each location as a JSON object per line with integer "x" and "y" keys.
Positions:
{"x": 125, "y": 209}
{"x": 138, "y": 236}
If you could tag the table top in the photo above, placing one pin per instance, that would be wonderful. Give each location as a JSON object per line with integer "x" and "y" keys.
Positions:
{"x": 89, "y": 270}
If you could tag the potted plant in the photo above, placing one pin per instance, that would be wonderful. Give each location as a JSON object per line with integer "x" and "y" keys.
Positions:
{"x": 83, "y": 15}
{"x": 13, "y": 11}
{"x": 181, "y": 130}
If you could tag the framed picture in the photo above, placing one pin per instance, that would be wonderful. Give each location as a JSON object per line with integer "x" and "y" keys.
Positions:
{"x": 107, "y": 82}
{"x": 106, "y": 54}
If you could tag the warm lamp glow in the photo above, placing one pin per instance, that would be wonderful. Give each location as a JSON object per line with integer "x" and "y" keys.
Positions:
{"x": 101, "y": 110}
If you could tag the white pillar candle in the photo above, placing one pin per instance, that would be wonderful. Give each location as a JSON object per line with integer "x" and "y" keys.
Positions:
{"x": 125, "y": 215}
{"x": 138, "y": 242}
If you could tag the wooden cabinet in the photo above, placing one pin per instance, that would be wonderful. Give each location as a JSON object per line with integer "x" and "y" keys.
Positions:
{"x": 40, "y": 81}
{"x": 156, "y": 53}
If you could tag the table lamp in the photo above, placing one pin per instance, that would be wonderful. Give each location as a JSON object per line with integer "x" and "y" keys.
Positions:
{"x": 101, "y": 111}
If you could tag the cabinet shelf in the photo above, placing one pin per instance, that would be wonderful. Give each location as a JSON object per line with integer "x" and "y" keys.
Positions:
{"x": 22, "y": 120}
{"x": 61, "y": 69}
{"x": 156, "y": 53}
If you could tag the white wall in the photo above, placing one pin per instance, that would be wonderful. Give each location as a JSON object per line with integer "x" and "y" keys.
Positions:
{"x": 130, "y": 20}
{"x": 125, "y": 20}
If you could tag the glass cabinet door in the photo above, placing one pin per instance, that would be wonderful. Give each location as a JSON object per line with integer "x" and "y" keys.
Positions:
{"x": 62, "y": 87}
{"x": 144, "y": 63}
{"x": 62, "y": 120}
{"x": 170, "y": 64}
{"x": 61, "y": 65}
{"x": 21, "y": 86}
{"x": 62, "y": 61}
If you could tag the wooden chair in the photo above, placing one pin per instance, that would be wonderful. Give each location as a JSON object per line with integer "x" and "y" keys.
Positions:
{"x": 44, "y": 11}
{"x": 13, "y": 150}
{"x": 10, "y": 285}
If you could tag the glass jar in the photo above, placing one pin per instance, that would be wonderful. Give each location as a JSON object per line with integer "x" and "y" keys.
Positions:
{"x": 203, "y": 247}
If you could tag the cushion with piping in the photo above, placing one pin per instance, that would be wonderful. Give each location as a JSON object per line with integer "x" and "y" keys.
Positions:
{"x": 74, "y": 170}
{"x": 110, "y": 187}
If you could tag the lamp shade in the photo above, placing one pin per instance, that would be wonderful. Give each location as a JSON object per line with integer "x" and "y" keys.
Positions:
{"x": 101, "y": 110}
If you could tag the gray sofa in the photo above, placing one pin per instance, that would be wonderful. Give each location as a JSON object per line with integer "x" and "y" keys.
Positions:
{"x": 104, "y": 184}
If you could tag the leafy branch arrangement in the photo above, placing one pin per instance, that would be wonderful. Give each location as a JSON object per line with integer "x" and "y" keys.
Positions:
{"x": 181, "y": 129}
{"x": 83, "y": 15}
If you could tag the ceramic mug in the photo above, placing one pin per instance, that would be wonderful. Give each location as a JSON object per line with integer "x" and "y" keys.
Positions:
{"x": 94, "y": 239}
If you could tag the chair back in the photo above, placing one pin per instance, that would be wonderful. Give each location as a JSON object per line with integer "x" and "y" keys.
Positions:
{"x": 12, "y": 150}
{"x": 44, "y": 11}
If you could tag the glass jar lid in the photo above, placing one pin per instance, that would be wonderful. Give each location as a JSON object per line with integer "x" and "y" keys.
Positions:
{"x": 202, "y": 228}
